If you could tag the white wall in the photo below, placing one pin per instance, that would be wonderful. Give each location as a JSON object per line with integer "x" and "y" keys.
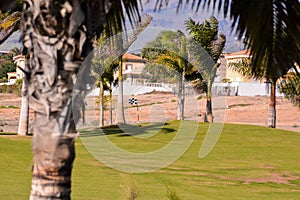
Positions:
{"x": 243, "y": 89}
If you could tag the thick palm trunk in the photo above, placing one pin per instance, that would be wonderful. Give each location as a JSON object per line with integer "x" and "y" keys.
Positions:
{"x": 101, "y": 104}
{"x": 54, "y": 154}
{"x": 272, "y": 106}
{"x": 52, "y": 43}
{"x": 24, "y": 114}
{"x": 120, "y": 118}
{"x": 57, "y": 35}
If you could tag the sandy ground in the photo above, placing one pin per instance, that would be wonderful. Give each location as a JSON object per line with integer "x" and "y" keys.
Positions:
{"x": 160, "y": 107}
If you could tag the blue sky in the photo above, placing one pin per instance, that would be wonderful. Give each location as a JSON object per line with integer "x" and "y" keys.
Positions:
{"x": 166, "y": 18}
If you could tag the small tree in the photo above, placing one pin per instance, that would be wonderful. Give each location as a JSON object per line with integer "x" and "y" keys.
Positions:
{"x": 291, "y": 88}
{"x": 110, "y": 58}
{"x": 245, "y": 68}
{"x": 205, "y": 37}
{"x": 170, "y": 49}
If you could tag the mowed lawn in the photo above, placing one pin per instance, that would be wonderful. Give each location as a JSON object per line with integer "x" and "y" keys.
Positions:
{"x": 248, "y": 162}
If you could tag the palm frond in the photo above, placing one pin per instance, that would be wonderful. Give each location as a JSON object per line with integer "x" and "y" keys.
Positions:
{"x": 169, "y": 61}
{"x": 271, "y": 28}
{"x": 291, "y": 88}
{"x": 109, "y": 15}
{"x": 9, "y": 25}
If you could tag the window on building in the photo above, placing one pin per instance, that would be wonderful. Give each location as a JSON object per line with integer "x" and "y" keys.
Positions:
{"x": 128, "y": 67}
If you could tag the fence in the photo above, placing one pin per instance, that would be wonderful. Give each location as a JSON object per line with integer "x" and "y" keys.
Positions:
{"x": 242, "y": 89}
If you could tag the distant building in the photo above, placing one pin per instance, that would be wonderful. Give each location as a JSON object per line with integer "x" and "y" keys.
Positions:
{"x": 3, "y": 52}
{"x": 236, "y": 57}
{"x": 19, "y": 60}
{"x": 231, "y": 83}
{"x": 133, "y": 67}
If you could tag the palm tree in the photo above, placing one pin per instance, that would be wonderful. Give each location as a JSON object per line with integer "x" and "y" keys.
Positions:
{"x": 146, "y": 19}
{"x": 271, "y": 30}
{"x": 103, "y": 68}
{"x": 177, "y": 62}
{"x": 109, "y": 82}
{"x": 24, "y": 113}
{"x": 245, "y": 68}
{"x": 170, "y": 49}
{"x": 121, "y": 44}
{"x": 58, "y": 42}
{"x": 205, "y": 36}
{"x": 120, "y": 116}
{"x": 291, "y": 88}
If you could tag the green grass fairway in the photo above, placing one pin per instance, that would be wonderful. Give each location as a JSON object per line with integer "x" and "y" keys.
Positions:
{"x": 248, "y": 162}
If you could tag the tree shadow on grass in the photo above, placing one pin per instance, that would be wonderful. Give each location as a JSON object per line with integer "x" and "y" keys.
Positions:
{"x": 125, "y": 130}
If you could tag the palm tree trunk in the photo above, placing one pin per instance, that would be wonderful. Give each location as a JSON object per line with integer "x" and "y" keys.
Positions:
{"x": 54, "y": 154}
{"x": 120, "y": 118}
{"x": 83, "y": 110}
{"x": 101, "y": 106}
{"x": 53, "y": 66}
{"x": 272, "y": 106}
{"x": 110, "y": 105}
{"x": 24, "y": 114}
{"x": 58, "y": 36}
{"x": 180, "y": 99}
{"x": 209, "y": 115}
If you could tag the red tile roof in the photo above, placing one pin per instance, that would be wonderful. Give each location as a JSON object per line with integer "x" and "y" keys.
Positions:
{"x": 128, "y": 56}
{"x": 244, "y": 52}
{"x": 240, "y": 53}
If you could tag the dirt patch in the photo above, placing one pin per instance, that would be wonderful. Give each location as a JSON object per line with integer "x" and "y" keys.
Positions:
{"x": 273, "y": 177}
{"x": 161, "y": 107}
{"x": 10, "y": 112}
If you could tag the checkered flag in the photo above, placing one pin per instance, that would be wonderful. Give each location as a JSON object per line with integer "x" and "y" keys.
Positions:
{"x": 132, "y": 101}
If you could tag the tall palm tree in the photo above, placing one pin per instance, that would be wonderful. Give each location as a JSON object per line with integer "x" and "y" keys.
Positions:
{"x": 206, "y": 37}
{"x": 177, "y": 62}
{"x": 121, "y": 44}
{"x": 103, "y": 69}
{"x": 24, "y": 113}
{"x": 58, "y": 35}
{"x": 109, "y": 82}
{"x": 21, "y": 63}
{"x": 170, "y": 49}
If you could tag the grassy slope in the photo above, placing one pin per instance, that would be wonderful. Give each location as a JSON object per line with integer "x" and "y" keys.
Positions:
{"x": 242, "y": 152}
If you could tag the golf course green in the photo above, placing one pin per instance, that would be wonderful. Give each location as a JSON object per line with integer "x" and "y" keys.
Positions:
{"x": 247, "y": 162}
